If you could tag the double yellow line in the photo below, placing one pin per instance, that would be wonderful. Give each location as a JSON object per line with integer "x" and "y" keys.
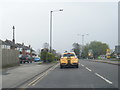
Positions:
{"x": 34, "y": 82}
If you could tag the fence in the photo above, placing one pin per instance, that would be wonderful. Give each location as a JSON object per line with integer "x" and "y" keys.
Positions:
{"x": 9, "y": 57}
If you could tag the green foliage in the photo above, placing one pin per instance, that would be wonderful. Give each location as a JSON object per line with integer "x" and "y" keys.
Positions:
{"x": 48, "y": 57}
{"x": 76, "y": 49}
{"x": 95, "y": 47}
{"x": 85, "y": 51}
{"x": 44, "y": 56}
{"x": 98, "y": 48}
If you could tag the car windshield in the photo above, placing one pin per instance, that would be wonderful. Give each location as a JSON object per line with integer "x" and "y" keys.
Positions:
{"x": 68, "y": 55}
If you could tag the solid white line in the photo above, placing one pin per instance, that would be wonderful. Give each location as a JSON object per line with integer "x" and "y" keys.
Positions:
{"x": 88, "y": 69}
{"x": 103, "y": 78}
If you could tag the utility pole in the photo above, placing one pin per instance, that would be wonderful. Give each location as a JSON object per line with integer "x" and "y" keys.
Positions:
{"x": 13, "y": 34}
{"x": 51, "y": 31}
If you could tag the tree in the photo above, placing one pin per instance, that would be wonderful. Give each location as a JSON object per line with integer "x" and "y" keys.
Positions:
{"x": 85, "y": 51}
{"x": 50, "y": 57}
{"x": 95, "y": 48}
{"x": 76, "y": 49}
{"x": 46, "y": 56}
{"x": 98, "y": 48}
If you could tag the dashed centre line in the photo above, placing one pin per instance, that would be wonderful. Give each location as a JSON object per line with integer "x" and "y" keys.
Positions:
{"x": 103, "y": 78}
{"x": 44, "y": 74}
{"x": 108, "y": 81}
{"x": 88, "y": 69}
{"x": 82, "y": 65}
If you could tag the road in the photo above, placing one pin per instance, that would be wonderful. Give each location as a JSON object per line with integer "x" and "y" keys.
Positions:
{"x": 88, "y": 75}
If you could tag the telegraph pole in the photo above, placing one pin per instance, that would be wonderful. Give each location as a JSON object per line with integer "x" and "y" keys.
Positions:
{"x": 13, "y": 34}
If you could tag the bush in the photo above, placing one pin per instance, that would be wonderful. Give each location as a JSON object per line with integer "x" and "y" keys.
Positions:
{"x": 44, "y": 56}
{"x": 50, "y": 57}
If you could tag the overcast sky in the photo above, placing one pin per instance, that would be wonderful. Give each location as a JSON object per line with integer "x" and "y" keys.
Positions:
{"x": 31, "y": 20}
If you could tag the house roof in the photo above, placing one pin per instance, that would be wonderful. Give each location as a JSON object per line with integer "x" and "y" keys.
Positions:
{"x": 8, "y": 42}
{"x": 22, "y": 46}
{"x": 19, "y": 45}
{"x": 3, "y": 42}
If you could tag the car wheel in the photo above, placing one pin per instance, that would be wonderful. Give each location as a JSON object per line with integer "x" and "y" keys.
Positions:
{"x": 20, "y": 62}
{"x": 61, "y": 66}
{"x": 77, "y": 66}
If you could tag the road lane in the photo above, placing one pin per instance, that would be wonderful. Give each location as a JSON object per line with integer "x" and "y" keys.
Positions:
{"x": 109, "y": 71}
{"x": 81, "y": 77}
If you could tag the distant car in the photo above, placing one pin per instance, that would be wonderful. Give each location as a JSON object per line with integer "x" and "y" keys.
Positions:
{"x": 68, "y": 60}
{"x": 36, "y": 59}
{"x": 118, "y": 57}
{"x": 25, "y": 58}
{"x": 20, "y": 56}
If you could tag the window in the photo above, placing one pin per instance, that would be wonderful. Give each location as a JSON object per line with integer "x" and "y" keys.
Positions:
{"x": 68, "y": 55}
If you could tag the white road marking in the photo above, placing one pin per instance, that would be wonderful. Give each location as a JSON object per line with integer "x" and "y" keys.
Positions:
{"x": 39, "y": 79}
{"x": 34, "y": 82}
{"x": 103, "y": 78}
{"x": 54, "y": 67}
{"x": 88, "y": 69}
{"x": 36, "y": 79}
{"x": 82, "y": 65}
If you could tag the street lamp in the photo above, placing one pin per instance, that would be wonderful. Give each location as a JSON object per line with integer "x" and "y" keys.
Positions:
{"x": 51, "y": 27}
{"x": 82, "y": 40}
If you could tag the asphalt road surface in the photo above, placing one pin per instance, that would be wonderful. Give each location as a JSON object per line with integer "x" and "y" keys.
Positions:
{"x": 88, "y": 75}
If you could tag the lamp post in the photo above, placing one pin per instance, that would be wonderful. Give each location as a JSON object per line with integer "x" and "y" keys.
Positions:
{"x": 51, "y": 27}
{"x": 82, "y": 41}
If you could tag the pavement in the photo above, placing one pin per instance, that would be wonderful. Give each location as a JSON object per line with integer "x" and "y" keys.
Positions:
{"x": 88, "y": 75}
{"x": 15, "y": 76}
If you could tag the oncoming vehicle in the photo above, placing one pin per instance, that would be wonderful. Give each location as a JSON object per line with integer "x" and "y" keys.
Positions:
{"x": 68, "y": 60}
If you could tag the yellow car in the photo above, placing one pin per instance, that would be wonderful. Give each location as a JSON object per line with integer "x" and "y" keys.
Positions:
{"x": 68, "y": 60}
